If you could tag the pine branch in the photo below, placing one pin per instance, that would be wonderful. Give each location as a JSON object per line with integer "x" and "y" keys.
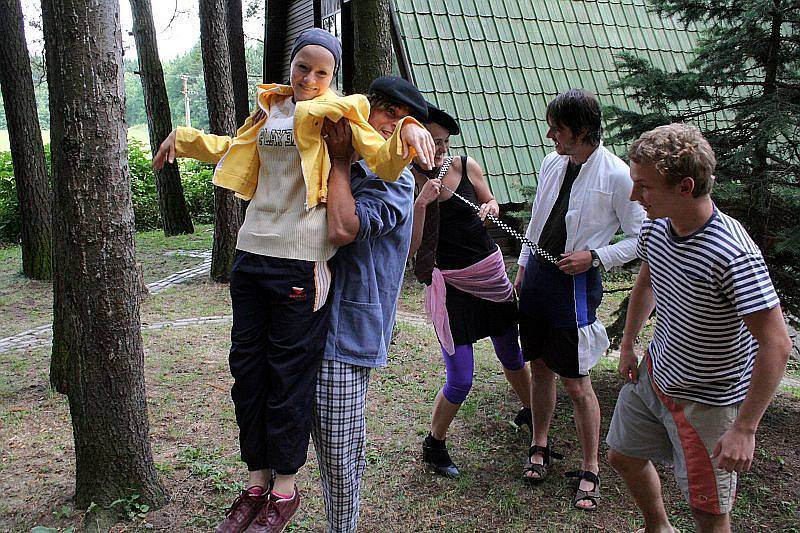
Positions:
{"x": 735, "y": 105}
{"x": 734, "y": 84}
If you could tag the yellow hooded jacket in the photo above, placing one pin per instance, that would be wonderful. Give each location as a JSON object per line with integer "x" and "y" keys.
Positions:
{"x": 238, "y": 161}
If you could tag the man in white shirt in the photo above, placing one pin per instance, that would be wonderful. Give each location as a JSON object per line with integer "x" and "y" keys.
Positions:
{"x": 582, "y": 199}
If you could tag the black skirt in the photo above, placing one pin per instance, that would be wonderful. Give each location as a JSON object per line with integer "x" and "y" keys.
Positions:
{"x": 473, "y": 318}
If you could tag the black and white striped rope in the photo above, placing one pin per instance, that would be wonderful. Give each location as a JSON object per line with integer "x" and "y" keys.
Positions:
{"x": 535, "y": 248}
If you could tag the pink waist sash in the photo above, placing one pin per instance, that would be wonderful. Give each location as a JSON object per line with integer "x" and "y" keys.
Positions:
{"x": 486, "y": 279}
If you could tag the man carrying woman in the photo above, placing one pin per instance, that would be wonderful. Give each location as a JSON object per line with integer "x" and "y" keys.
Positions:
{"x": 281, "y": 278}
{"x": 370, "y": 220}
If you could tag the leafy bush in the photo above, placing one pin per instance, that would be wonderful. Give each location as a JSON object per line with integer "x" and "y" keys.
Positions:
{"x": 143, "y": 187}
{"x": 198, "y": 190}
{"x": 9, "y": 207}
{"x": 195, "y": 176}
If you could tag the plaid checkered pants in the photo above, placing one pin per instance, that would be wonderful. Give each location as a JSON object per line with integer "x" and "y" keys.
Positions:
{"x": 340, "y": 437}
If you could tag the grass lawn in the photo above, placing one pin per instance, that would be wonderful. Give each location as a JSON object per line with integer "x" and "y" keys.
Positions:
{"x": 26, "y": 303}
{"x": 194, "y": 434}
{"x": 138, "y": 131}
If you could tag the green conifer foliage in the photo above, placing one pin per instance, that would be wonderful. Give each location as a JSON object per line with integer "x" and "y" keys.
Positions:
{"x": 743, "y": 91}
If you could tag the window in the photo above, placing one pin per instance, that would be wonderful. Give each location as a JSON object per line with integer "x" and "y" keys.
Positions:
{"x": 331, "y": 11}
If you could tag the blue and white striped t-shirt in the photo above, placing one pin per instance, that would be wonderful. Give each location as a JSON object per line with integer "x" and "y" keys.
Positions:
{"x": 704, "y": 283}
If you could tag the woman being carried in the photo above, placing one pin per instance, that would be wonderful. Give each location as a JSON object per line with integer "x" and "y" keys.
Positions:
{"x": 280, "y": 278}
{"x": 468, "y": 295}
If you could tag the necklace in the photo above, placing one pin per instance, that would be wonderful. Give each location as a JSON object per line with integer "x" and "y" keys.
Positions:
{"x": 505, "y": 227}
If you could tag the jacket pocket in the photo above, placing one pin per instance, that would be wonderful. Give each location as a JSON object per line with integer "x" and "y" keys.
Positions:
{"x": 360, "y": 328}
{"x": 597, "y": 208}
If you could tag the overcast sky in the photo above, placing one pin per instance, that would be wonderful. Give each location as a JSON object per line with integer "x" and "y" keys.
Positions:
{"x": 177, "y": 26}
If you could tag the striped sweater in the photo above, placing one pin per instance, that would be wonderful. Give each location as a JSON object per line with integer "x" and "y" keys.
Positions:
{"x": 277, "y": 223}
{"x": 703, "y": 284}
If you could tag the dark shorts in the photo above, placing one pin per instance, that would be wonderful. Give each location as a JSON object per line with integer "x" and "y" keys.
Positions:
{"x": 557, "y": 318}
{"x": 473, "y": 318}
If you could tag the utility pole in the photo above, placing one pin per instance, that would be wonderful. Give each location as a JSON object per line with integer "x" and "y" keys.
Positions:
{"x": 185, "y": 78}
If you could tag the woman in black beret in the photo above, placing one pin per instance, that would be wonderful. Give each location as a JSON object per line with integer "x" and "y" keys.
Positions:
{"x": 468, "y": 295}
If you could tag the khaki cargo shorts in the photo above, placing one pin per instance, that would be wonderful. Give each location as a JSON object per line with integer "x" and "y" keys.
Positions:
{"x": 648, "y": 424}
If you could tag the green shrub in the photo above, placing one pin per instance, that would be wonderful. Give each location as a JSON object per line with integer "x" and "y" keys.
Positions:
{"x": 523, "y": 214}
{"x": 9, "y": 207}
{"x": 198, "y": 190}
{"x": 143, "y": 187}
{"x": 195, "y": 176}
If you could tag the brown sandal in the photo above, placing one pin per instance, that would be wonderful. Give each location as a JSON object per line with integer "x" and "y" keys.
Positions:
{"x": 541, "y": 470}
{"x": 591, "y": 496}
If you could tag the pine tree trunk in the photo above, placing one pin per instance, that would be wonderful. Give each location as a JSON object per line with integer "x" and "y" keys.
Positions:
{"x": 274, "y": 40}
{"x": 373, "y": 43}
{"x": 238, "y": 71}
{"x": 760, "y": 185}
{"x": 27, "y": 152}
{"x": 221, "y": 118}
{"x": 348, "y": 48}
{"x": 96, "y": 295}
{"x": 171, "y": 202}
{"x": 241, "y": 100}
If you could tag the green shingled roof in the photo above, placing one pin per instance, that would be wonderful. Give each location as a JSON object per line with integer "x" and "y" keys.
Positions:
{"x": 495, "y": 65}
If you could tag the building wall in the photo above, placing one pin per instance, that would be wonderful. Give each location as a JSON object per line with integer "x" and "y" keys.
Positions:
{"x": 300, "y": 17}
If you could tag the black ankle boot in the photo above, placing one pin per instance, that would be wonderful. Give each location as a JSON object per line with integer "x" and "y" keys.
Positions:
{"x": 434, "y": 454}
{"x": 523, "y": 418}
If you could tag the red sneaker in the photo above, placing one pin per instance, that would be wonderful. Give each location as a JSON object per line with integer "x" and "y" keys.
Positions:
{"x": 276, "y": 514}
{"x": 245, "y": 508}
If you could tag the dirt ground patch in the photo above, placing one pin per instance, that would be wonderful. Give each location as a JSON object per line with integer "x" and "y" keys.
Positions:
{"x": 194, "y": 442}
{"x": 194, "y": 434}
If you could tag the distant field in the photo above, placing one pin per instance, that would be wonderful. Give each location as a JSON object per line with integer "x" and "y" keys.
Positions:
{"x": 138, "y": 132}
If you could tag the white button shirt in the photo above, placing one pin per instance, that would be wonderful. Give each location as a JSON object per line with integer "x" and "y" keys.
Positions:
{"x": 599, "y": 204}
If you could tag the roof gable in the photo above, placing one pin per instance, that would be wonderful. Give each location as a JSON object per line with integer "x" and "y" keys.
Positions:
{"x": 495, "y": 65}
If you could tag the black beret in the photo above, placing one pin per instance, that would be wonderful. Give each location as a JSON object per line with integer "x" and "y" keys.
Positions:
{"x": 443, "y": 119}
{"x": 401, "y": 92}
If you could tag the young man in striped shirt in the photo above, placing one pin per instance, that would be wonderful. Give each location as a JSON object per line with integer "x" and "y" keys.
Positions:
{"x": 720, "y": 344}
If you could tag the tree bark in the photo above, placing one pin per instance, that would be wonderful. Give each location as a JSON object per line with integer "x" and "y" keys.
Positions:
{"x": 221, "y": 118}
{"x": 171, "y": 202}
{"x": 241, "y": 100}
{"x": 27, "y": 152}
{"x": 348, "y": 49}
{"x": 373, "y": 43}
{"x": 96, "y": 296}
{"x": 275, "y": 40}
{"x": 759, "y": 187}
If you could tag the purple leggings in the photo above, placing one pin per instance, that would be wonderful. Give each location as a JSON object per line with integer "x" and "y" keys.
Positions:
{"x": 461, "y": 365}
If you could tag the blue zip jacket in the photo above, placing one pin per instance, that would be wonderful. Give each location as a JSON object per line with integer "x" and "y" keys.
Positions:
{"x": 369, "y": 271}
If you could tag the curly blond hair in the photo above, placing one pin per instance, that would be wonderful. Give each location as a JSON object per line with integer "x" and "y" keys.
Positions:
{"x": 677, "y": 151}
